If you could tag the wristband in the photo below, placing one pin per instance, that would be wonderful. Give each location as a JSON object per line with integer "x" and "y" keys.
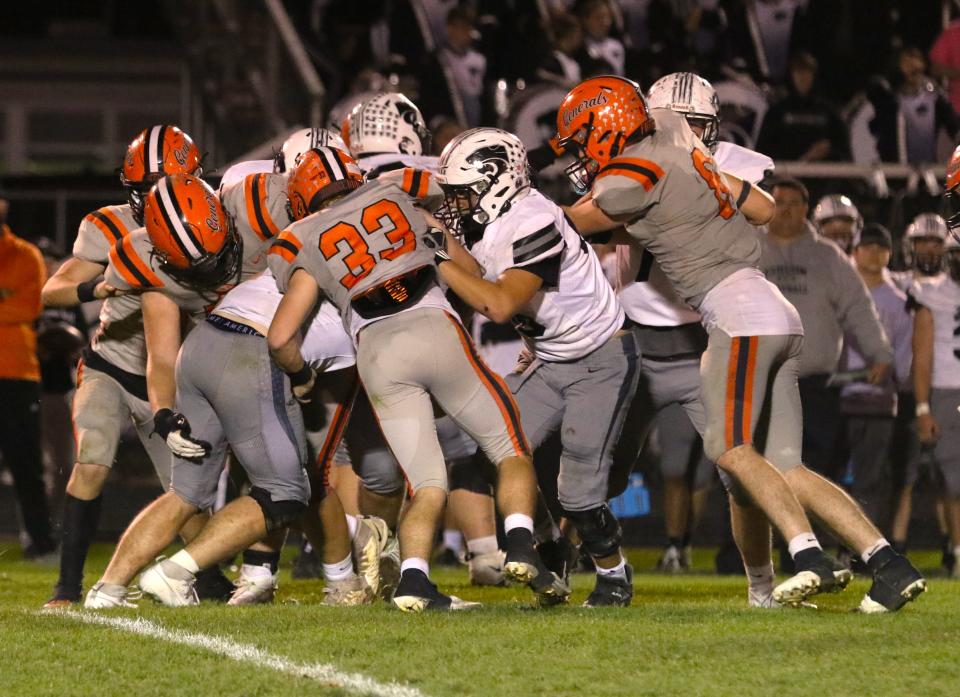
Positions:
{"x": 85, "y": 290}
{"x": 923, "y": 408}
{"x": 744, "y": 192}
{"x": 302, "y": 376}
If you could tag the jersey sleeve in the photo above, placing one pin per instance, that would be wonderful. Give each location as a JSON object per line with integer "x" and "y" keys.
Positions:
{"x": 628, "y": 186}
{"x": 537, "y": 247}
{"x": 259, "y": 202}
{"x": 916, "y": 295}
{"x": 98, "y": 232}
{"x": 286, "y": 255}
{"x": 419, "y": 184}
{"x": 129, "y": 266}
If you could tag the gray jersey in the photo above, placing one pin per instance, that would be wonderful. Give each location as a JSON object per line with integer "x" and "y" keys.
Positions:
{"x": 361, "y": 246}
{"x": 258, "y": 205}
{"x": 679, "y": 207}
{"x": 102, "y": 229}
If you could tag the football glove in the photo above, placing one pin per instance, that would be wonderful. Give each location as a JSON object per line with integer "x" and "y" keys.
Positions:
{"x": 174, "y": 428}
{"x": 434, "y": 239}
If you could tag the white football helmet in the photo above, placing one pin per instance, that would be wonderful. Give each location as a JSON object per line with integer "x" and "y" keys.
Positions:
{"x": 482, "y": 172}
{"x": 925, "y": 227}
{"x": 838, "y": 206}
{"x": 387, "y": 123}
{"x": 300, "y": 142}
{"x": 690, "y": 95}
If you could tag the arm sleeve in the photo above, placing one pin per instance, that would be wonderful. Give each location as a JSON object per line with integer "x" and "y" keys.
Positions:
{"x": 628, "y": 185}
{"x": 857, "y": 313}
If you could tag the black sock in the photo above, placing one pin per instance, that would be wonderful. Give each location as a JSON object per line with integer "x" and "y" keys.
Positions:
{"x": 685, "y": 542}
{"x": 80, "y": 521}
{"x": 805, "y": 557}
{"x": 881, "y": 557}
{"x": 674, "y": 542}
{"x": 256, "y": 558}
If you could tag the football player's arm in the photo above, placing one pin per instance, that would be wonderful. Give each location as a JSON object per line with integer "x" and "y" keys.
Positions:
{"x": 588, "y": 218}
{"x": 757, "y": 206}
{"x": 161, "y": 329}
{"x": 456, "y": 251}
{"x": 283, "y": 337}
{"x": 77, "y": 281}
{"x": 498, "y": 300}
{"x": 927, "y": 427}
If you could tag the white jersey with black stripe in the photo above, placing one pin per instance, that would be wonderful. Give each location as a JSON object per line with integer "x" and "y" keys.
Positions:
{"x": 575, "y": 311}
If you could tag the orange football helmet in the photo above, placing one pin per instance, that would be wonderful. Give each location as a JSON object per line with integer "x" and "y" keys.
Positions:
{"x": 191, "y": 233}
{"x": 952, "y": 195}
{"x": 157, "y": 151}
{"x": 597, "y": 119}
{"x": 321, "y": 174}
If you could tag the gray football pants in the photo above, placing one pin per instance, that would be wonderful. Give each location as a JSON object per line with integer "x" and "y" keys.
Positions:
{"x": 232, "y": 393}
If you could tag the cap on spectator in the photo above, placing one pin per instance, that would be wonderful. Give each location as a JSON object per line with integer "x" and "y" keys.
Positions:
{"x": 875, "y": 233}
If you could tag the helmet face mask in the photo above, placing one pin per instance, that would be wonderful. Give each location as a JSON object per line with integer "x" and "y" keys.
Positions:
{"x": 923, "y": 244}
{"x": 952, "y": 201}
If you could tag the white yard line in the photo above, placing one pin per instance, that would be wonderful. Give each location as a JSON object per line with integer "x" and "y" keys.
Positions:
{"x": 324, "y": 673}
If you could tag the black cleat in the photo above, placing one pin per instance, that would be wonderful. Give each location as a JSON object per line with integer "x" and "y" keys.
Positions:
{"x": 612, "y": 591}
{"x": 559, "y": 556}
{"x": 524, "y": 565}
{"x": 447, "y": 557}
{"x": 817, "y": 572}
{"x": 895, "y": 584}
{"x": 416, "y": 593}
{"x": 307, "y": 564}
{"x": 213, "y": 585}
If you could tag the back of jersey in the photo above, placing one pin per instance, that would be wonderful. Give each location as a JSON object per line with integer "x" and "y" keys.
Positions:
{"x": 366, "y": 253}
{"x": 683, "y": 211}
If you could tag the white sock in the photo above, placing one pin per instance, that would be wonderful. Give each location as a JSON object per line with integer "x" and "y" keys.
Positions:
{"x": 453, "y": 540}
{"x": 352, "y": 525}
{"x": 805, "y": 540}
{"x": 517, "y": 520}
{"x": 183, "y": 558}
{"x": 760, "y": 577}
{"x": 618, "y": 570}
{"x": 415, "y": 563}
{"x": 873, "y": 549}
{"x": 340, "y": 571}
{"x": 254, "y": 571}
{"x": 482, "y": 545}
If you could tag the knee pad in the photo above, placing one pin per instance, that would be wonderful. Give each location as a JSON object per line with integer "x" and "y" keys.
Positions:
{"x": 277, "y": 514}
{"x": 599, "y": 529}
{"x": 474, "y": 474}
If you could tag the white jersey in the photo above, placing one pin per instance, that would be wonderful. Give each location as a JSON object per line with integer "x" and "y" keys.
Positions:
{"x": 326, "y": 346}
{"x": 240, "y": 170}
{"x": 642, "y": 288}
{"x": 904, "y": 280}
{"x": 942, "y": 297}
{"x": 575, "y": 311}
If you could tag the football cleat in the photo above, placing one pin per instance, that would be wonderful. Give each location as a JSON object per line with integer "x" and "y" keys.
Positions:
{"x": 350, "y": 591}
{"x": 389, "y": 568}
{"x": 59, "y": 603}
{"x": 106, "y": 596}
{"x": 486, "y": 569}
{"x": 612, "y": 591}
{"x": 307, "y": 564}
{"x": 417, "y": 593}
{"x": 559, "y": 556}
{"x": 674, "y": 560}
{"x": 211, "y": 584}
{"x": 256, "y": 586}
{"x": 368, "y": 545}
{"x": 169, "y": 591}
{"x": 819, "y": 574}
{"x": 895, "y": 584}
{"x": 524, "y": 566}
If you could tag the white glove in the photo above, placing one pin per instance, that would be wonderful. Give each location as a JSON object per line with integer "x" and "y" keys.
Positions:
{"x": 174, "y": 428}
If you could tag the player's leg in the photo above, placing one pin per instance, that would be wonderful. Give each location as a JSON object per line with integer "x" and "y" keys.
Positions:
{"x": 679, "y": 445}
{"x": 943, "y": 404}
{"x": 382, "y": 485}
{"x": 870, "y": 439}
{"x": 100, "y": 412}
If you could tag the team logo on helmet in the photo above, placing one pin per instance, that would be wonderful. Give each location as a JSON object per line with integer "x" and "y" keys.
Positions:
{"x": 570, "y": 114}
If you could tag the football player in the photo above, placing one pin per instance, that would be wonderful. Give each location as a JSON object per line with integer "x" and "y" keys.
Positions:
{"x": 923, "y": 243}
{"x": 839, "y": 220}
{"x": 650, "y": 172}
{"x": 530, "y": 266}
{"x": 285, "y": 160}
{"x": 367, "y": 250}
{"x": 111, "y": 382}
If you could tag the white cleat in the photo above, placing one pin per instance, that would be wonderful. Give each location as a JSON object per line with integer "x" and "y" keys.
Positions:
{"x": 368, "y": 545}
{"x": 487, "y": 569}
{"x": 107, "y": 596}
{"x": 256, "y": 586}
{"x": 169, "y": 591}
{"x": 351, "y": 591}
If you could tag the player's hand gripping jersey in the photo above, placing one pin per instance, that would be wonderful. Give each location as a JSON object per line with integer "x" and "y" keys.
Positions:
{"x": 677, "y": 205}
{"x": 366, "y": 253}
{"x": 575, "y": 311}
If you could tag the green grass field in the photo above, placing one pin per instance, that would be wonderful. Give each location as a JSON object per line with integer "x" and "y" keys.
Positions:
{"x": 686, "y": 635}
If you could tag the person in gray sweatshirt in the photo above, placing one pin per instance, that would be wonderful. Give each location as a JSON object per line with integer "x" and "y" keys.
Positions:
{"x": 832, "y": 300}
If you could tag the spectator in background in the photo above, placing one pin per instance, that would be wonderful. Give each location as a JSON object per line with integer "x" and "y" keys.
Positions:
{"x": 870, "y": 409}
{"x": 560, "y": 66}
{"x": 832, "y": 301}
{"x": 444, "y": 130}
{"x": 945, "y": 61}
{"x": 601, "y": 52}
{"x": 802, "y": 125}
{"x": 911, "y": 115}
{"x": 452, "y": 81}
{"x": 705, "y": 28}
{"x": 21, "y": 278}
{"x": 766, "y": 33}
{"x": 61, "y": 334}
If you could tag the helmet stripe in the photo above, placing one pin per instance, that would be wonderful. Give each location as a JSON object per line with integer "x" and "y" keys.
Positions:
{"x": 153, "y": 149}
{"x": 176, "y": 224}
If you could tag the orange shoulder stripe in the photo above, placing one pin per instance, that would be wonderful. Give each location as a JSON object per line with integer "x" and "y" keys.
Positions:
{"x": 131, "y": 267}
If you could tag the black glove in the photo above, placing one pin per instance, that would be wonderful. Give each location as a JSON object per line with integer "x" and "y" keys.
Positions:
{"x": 174, "y": 428}
{"x": 434, "y": 239}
